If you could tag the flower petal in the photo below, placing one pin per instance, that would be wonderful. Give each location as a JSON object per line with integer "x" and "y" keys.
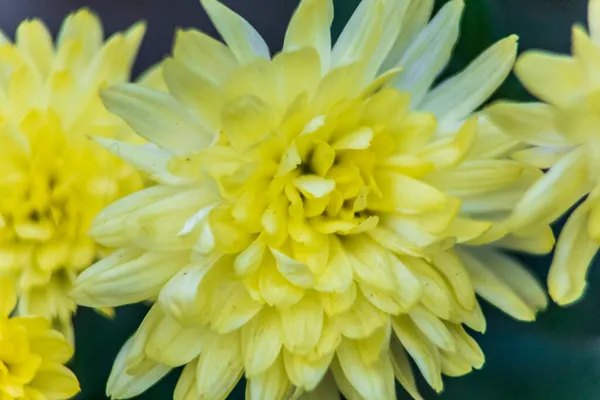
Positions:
{"x": 430, "y": 52}
{"x": 574, "y": 253}
{"x": 156, "y": 116}
{"x": 243, "y": 40}
{"x": 220, "y": 366}
{"x": 461, "y": 94}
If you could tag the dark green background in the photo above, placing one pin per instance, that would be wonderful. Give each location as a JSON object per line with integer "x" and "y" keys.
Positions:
{"x": 558, "y": 357}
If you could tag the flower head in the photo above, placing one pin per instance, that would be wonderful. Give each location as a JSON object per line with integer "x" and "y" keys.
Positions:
{"x": 55, "y": 178}
{"x": 302, "y": 229}
{"x": 561, "y": 135}
{"x": 33, "y": 354}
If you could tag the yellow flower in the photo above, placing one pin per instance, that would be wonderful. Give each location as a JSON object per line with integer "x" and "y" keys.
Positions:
{"x": 301, "y": 233}
{"x": 32, "y": 355}
{"x": 561, "y": 135}
{"x": 55, "y": 179}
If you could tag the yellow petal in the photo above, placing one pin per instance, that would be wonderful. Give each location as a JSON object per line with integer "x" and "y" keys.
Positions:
{"x": 554, "y": 193}
{"x": 374, "y": 381}
{"x": 450, "y": 266}
{"x": 270, "y": 385}
{"x": 403, "y": 369}
{"x": 35, "y": 43}
{"x": 277, "y": 290}
{"x": 404, "y": 194}
{"x": 246, "y": 121}
{"x": 310, "y": 27}
{"x": 491, "y": 286}
{"x": 296, "y": 272}
{"x": 594, "y": 19}
{"x": 301, "y": 324}
{"x": 219, "y": 366}
{"x": 326, "y": 389}
{"x": 152, "y": 161}
{"x": 337, "y": 302}
{"x": 574, "y": 253}
{"x": 361, "y": 320}
{"x": 126, "y": 276}
{"x": 357, "y": 140}
{"x": 52, "y": 346}
{"x": 55, "y": 381}
{"x": 541, "y": 157}
{"x": 532, "y": 123}
{"x": 477, "y": 176}
{"x": 243, "y": 40}
{"x": 122, "y": 385}
{"x": 261, "y": 342}
{"x": 204, "y": 55}
{"x": 8, "y": 296}
{"x": 430, "y": 51}
{"x": 303, "y": 373}
{"x": 156, "y": 116}
{"x": 553, "y": 78}
{"x": 420, "y": 349}
{"x": 516, "y": 275}
{"x": 198, "y": 94}
{"x": 361, "y": 34}
{"x": 461, "y": 94}
{"x": 186, "y": 384}
{"x": 314, "y": 186}
{"x": 337, "y": 276}
{"x": 433, "y": 328}
{"x": 173, "y": 345}
{"x": 416, "y": 17}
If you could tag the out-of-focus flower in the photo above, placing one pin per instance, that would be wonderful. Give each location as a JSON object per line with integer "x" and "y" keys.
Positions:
{"x": 562, "y": 136}
{"x": 54, "y": 177}
{"x": 32, "y": 355}
{"x": 303, "y": 229}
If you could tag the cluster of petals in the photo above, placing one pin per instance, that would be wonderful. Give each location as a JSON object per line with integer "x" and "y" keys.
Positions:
{"x": 319, "y": 217}
{"x": 32, "y": 355}
{"x": 560, "y": 133}
{"x": 54, "y": 177}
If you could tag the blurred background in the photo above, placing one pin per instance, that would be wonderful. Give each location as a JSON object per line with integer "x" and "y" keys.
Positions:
{"x": 557, "y": 357}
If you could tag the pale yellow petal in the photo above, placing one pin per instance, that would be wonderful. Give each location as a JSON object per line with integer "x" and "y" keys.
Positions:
{"x": 261, "y": 342}
{"x": 463, "y": 93}
{"x": 55, "y": 381}
{"x": 403, "y": 369}
{"x": 126, "y": 276}
{"x": 594, "y": 19}
{"x": 157, "y": 117}
{"x": 310, "y": 27}
{"x": 220, "y": 366}
{"x": 532, "y": 123}
{"x": 491, "y": 286}
{"x": 243, "y": 40}
{"x": 553, "y": 78}
{"x": 574, "y": 253}
{"x": 371, "y": 381}
{"x": 270, "y": 385}
{"x": 430, "y": 51}
{"x": 433, "y": 328}
{"x": 554, "y": 193}
{"x": 35, "y": 42}
{"x": 186, "y": 384}
{"x": 424, "y": 354}
{"x": 174, "y": 345}
{"x": 121, "y": 385}
{"x": 301, "y": 324}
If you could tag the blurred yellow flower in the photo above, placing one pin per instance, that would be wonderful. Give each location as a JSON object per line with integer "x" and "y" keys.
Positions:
{"x": 561, "y": 135}
{"x": 32, "y": 355}
{"x": 303, "y": 229}
{"x": 54, "y": 178}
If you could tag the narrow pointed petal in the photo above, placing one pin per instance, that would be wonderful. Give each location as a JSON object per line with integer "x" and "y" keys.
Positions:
{"x": 430, "y": 52}
{"x": 243, "y": 40}
{"x": 463, "y": 93}
{"x": 219, "y": 366}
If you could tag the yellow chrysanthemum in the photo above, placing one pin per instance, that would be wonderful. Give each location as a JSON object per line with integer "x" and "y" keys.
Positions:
{"x": 302, "y": 230}
{"x": 54, "y": 178}
{"x": 561, "y": 135}
{"x": 32, "y": 355}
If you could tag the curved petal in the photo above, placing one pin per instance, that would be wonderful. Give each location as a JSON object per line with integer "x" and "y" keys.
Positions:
{"x": 461, "y": 94}
{"x": 574, "y": 253}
